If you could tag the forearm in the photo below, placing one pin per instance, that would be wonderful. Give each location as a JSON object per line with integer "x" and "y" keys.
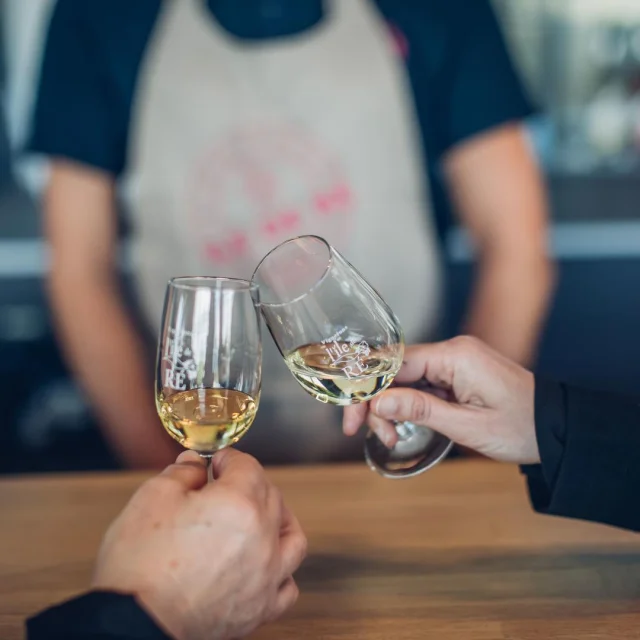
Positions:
{"x": 509, "y": 303}
{"x": 107, "y": 356}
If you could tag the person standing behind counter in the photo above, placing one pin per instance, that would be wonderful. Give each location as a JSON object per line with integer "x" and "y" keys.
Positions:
{"x": 231, "y": 125}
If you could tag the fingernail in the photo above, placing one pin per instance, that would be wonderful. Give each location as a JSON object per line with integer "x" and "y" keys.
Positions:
{"x": 386, "y": 407}
{"x": 188, "y": 456}
{"x": 389, "y": 440}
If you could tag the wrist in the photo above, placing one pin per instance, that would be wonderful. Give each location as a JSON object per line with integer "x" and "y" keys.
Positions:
{"x": 173, "y": 612}
{"x": 169, "y": 613}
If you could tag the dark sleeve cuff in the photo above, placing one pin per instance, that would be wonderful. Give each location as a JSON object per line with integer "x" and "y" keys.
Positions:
{"x": 95, "y": 616}
{"x": 589, "y": 445}
{"x": 550, "y": 423}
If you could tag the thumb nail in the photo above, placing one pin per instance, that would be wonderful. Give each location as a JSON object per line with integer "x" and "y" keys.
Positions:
{"x": 189, "y": 456}
{"x": 386, "y": 407}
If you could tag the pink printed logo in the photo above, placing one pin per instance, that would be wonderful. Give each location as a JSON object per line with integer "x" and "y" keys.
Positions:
{"x": 287, "y": 221}
{"x": 260, "y": 186}
{"x": 334, "y": 201}
{"x": 234, "y": 246}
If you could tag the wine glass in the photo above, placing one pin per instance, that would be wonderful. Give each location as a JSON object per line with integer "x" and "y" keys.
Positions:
{"x": 341, "y": 342}
{"x": 209, "y": 362}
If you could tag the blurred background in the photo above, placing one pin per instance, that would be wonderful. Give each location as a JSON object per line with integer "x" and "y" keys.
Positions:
{"x": 580, "y": 60}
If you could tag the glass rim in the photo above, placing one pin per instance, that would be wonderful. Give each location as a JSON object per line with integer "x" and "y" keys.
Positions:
{"x": 314, "y": 286}
{"x": 195, "y": 283}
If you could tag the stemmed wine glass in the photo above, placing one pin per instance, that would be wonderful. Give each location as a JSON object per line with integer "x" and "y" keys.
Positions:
{"x": 209, "y": 362}
{"x": 341, "y": 342}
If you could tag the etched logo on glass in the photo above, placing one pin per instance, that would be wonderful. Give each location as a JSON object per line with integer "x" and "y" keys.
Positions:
{"x": 348, "y": 354}
{"x": 181, "y": 368}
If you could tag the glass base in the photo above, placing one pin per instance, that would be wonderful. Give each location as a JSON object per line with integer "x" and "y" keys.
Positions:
{"x": 418, "y": 450}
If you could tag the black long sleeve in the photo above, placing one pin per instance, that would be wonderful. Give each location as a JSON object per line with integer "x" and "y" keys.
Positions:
{"x": 95, "y": 616}
{"x": 590, "y": 452}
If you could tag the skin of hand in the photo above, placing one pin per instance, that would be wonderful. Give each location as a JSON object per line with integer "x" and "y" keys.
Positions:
{"x": 483, "y": 401}
{"x": 205, "y": 560}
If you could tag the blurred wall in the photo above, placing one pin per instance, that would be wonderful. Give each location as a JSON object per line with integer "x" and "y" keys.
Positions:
{"x": 24, "y": 26}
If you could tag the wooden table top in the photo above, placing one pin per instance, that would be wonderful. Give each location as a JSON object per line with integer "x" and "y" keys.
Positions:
{"x": 453, "y": 554}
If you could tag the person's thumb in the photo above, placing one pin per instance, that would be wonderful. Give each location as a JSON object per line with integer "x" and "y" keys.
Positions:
{"x": 189, "y": 470}
{"x": 423, "y": 409}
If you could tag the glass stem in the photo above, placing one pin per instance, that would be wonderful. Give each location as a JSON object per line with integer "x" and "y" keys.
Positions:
{"x": 405, "y": 430}
{"x": 208, "y": 463}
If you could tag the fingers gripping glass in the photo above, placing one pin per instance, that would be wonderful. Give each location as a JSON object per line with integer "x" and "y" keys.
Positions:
{"x": 209, "y": 363}
{"x": 341, "y": 342}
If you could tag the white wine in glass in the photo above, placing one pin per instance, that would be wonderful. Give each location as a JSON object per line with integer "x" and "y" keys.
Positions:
{"x": 345, "y": 372}
{"x": 206, "y": 420}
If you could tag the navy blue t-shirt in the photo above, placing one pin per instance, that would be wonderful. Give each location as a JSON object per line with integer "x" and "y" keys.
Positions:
{"x": 462, "y": 78}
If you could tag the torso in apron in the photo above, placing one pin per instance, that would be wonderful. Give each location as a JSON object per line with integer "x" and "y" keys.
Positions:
{"x": 237, "y": 146}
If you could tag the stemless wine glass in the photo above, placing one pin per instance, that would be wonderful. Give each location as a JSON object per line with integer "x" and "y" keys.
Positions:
{"x": 341, "y": 342}
{"x": 209, "y": 364}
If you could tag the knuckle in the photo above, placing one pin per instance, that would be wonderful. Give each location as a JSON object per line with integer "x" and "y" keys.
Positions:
{"x": 147, "y": 487}
{"x": 253, "y": 464}
{"x": 302, "y": 547}
{"x": 419, "y": 411}
{"x": 245, "y": 512}
{"x": 291, "y": 597}
{"x": 157, "y": 487}
{"x": 256, "y": 475}
{"x": 465, "y": 343}
{"x": 279, "y": 607}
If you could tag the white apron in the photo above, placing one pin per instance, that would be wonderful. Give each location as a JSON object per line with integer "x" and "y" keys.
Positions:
{"x": 238, "y": 145}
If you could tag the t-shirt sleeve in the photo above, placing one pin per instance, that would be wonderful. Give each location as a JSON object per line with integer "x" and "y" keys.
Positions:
{"x": 484, "y": 90}
{"x": 73, "y": 112}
